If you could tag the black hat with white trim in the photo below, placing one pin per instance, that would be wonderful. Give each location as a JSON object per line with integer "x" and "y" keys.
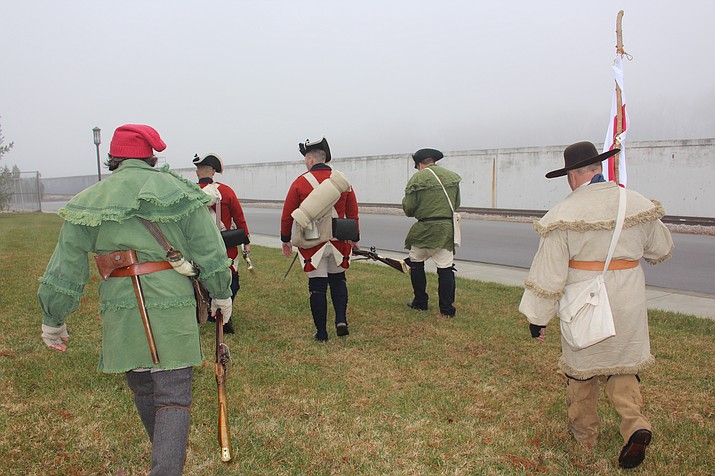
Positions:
{"x": 308, "y": 145}
{"x": 212, "y": 160}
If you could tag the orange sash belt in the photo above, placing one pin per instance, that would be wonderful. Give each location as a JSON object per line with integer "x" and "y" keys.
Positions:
{"x": 598, "y": 265}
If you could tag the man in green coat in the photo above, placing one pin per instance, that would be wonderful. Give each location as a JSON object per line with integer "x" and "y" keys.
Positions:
{"x": 431, "y": 196}
{"x": 105, "y": 219}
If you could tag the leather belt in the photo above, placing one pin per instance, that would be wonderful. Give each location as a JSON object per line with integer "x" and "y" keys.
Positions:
{"x": 615, "y": 264}
{"x": 434, "y": 218}
{"x": 138, "y": 269}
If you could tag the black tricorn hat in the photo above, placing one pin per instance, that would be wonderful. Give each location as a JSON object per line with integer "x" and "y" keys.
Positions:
{"x": 580, "y": 155}
{"x": 212, "y": 160}
{"x": 309, "y": 145}
{"x": 424, "y": 154}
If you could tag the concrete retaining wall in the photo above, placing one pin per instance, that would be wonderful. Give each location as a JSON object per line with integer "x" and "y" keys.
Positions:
{"x": 678, "y": 173}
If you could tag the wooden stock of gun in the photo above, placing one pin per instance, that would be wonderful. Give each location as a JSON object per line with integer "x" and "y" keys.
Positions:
{"x": 247, "y": 258}
{"x": 397, "y": 264}
{"x": 222, "y": 358}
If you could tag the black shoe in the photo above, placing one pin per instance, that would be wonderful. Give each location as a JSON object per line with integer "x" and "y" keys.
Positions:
{"x": 341, "y": 329}
{"x": 411, "y": 304}
{"x": 633, "y": 453}
{"x": 319, "y": 338}
{"x": 448, "y": 315}
{"x": 228, "y": 328}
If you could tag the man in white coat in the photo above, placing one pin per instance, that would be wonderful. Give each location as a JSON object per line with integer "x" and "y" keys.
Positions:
{"x": 575, "y": 237}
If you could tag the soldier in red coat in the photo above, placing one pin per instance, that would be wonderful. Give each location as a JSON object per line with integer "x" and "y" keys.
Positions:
{"x": 324, "y": 257}
{"x": 230, "y": 213}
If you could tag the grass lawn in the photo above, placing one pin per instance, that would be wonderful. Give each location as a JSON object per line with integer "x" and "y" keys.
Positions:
{"x": 407, "y": 393}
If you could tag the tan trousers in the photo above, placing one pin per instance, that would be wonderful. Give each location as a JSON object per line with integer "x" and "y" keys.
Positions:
{"x": 582, "y": 399}
{"x": 625, "y": 395}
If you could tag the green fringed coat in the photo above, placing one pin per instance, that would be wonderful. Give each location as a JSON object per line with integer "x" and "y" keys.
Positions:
{"x": 580, "y": 228}
{"x": 104, "y": 218}
{"x": 424, "y": 198}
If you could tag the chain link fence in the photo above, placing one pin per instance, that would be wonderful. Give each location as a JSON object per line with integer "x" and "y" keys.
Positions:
{"x": 26, "y": 189}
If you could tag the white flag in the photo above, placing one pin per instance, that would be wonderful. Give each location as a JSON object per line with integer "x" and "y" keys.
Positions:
{"x": 614, "y": 141}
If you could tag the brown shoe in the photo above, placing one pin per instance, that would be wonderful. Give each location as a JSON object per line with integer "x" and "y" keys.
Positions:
{"x": 633, "y": 453}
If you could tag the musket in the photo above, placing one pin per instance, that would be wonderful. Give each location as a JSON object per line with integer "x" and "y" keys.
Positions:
{"x": 222, "y": 357}
{"x": 397, "y": 264}
{"x": 247, "y": 258}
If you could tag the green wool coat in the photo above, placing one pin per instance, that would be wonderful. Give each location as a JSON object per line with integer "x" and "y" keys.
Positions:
{"x": 424, "y": 198}
{"x": 103, "y": 219}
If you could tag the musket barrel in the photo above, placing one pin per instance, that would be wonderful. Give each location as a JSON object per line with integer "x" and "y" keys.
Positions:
{"x": 224, "y": 435}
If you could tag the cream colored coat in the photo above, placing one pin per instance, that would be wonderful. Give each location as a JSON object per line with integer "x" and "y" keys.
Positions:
{"x": 580, "y": 228}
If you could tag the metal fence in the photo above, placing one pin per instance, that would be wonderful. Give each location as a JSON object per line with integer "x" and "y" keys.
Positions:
{"x": 26, "y": 191}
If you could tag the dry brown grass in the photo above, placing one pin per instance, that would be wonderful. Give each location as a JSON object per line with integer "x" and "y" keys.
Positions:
{"x": 405, "y": 393}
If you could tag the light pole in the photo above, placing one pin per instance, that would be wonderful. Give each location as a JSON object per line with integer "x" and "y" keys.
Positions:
{"x": 97, "y": 140}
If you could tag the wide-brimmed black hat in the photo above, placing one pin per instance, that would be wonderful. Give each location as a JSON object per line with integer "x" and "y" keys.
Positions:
{"x": 212, "y": 160}
{"x": 308, "y": 145}
{"x": 424, "y": 154}
{"x": 580, "y": 155}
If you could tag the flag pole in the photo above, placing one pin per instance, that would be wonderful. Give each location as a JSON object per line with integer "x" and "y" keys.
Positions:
{"x": 619, "y": 98}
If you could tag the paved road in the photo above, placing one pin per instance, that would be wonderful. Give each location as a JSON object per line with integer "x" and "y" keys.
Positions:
{"x": 691, "y": 269}
{"x": 514, "y": 244}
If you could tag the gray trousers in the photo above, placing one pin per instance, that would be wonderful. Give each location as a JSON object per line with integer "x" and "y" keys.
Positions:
{"x": 163, "y": 400}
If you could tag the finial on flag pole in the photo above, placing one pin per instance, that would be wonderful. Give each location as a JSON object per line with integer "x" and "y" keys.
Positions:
{"x": 619, "y": 33}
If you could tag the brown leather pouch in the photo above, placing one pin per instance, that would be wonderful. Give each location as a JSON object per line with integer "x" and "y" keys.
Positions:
{"x": 203, "y": 301}
{"x": 116, "y": 259}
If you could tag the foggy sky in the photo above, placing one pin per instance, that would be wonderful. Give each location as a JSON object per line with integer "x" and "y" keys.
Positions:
{"x": 249, "y": 80}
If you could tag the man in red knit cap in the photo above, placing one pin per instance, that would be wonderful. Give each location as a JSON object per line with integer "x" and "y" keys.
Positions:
{"x": 105, "y": 219}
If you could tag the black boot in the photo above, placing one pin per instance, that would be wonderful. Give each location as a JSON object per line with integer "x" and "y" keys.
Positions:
{"x": 339, "y": 296}
{"x": 446, "y": 288}
{"x": 419, "y": 285}
{"x": 319, "y": 306}
{"x": 228, "y": 328}
{"x": 235, "y": 284}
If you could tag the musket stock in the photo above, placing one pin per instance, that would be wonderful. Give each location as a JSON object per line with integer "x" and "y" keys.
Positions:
{"x": 396, "y": 264}
{"x": 247, "y": 258}
{"x": 222, "y": 358}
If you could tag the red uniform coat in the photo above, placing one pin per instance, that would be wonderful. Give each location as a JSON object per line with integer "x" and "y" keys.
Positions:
{"x": 230, "y": 211}
{"x": 346, "y": 207}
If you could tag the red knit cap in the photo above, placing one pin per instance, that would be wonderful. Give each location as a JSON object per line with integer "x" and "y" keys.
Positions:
{"x": 135, "y": 141}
